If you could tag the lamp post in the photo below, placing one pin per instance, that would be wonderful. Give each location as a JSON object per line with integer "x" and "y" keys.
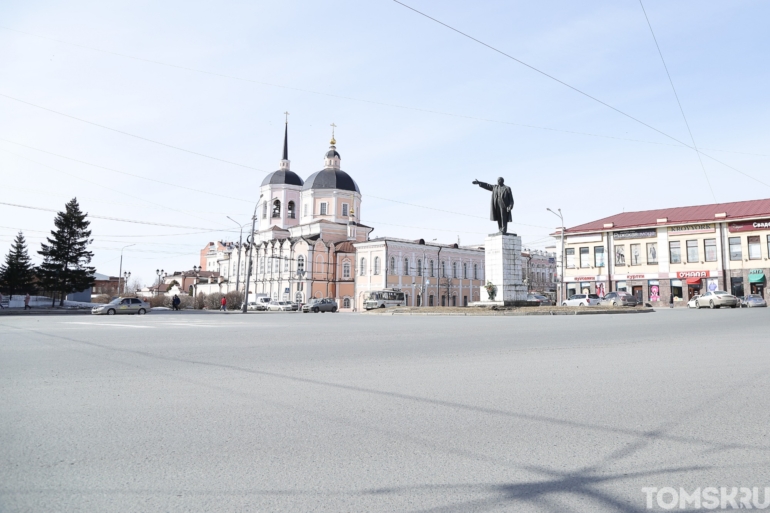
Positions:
{"x": 197, "y": 271}
{"x": 240, "y": 244}
{"x": 121, "y": 264}
{"x": 251, "y": 247}
{"x": 161, "y": 274}
{"x": 561, "y": 281}
{"x": 126, "y": 276}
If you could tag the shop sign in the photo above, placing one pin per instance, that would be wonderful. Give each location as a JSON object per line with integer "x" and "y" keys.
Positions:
{"x": 692, "y": 274}
{"x": 585, "y": 278}
{"x": 691, "y": 228}
{"x": 634, "y": 276}
{"x": 551, "y": 260}
{"x": 748, "y": 226}
{"x": 756, "y": 271}
{"x": 635, "y": 234}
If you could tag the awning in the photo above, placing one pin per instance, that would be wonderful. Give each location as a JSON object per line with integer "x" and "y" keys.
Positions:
{"x": 693, "y": 281}
{"x": 756, "y": 278}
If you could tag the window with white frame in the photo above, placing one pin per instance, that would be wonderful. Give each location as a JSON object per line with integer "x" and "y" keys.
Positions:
{"x": 454, "y": 269}
{"x": 376, "y": 265}
{"x": 443, "y": 269}
{"x": 362, "y": 270}
{"x": 300, "y": 264}
{"x": 406, "y": 267}
{"x": 261, "y": 265}
{"x": 323, "y": 208}
{"x": 392, "y": 269}
{"x": 285, "y": 264}
{"x": 475, "y": 271}
{"x": 346, "y": 269}
{"x": 465, "y": 270}
{"x": 344, "y": 210}
{"x": 419, "y": 262}
{"x": 304, "y": 210}
{"x": 346, "y": 302}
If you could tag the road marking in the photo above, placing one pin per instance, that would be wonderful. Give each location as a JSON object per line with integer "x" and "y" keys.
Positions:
{"x": 110, "y": 324}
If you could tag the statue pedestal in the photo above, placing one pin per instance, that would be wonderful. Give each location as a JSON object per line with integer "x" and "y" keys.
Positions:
{"x": 502, "y": 267}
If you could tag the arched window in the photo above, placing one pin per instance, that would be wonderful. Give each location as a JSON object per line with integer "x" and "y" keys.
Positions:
{"x": 377, "y": 265}
{"x": 443, "y": 269}
{"x": 276, "y": 208}
{"x": 319, "y": 264}
{"x": 432, "y": 273}
{"x": 285, "y": 264}
{"x": 363, "y": 266}
{"x": 419, "y": 267}
{"x": 346, "y": 269}
{"x": 406, "y": 267}
{"x": 291, "y": 210}
{"x": 261, "y": 265}
{"x": 300, "y": 264}
{"x": 276, "y": 264}
{"x": 475, "y": 271}
{"x": 465, "y": 271}
{"x": 454, "y": 269}
{"x": 346, "y": 302}
{"x": 392, "y": 269}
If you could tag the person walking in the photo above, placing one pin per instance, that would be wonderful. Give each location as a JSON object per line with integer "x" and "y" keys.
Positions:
{"x": 26, "y": 302}
{"x": 224, "y": 303}
{"x": 671, "y": 300}
{"x": 175, "y": 302}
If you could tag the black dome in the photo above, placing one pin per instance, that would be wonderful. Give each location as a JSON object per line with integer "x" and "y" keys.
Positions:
{"x": 332, "y": 153}
{"x": 331, "y": 179}
{"x": 282, "y": 177}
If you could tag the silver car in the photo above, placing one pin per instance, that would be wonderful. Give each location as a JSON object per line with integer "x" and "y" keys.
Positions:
{"x": 122, "y": 305}
{"x": 754, "y": 300}
{"x": 619, "y": 298}
{"x": 279, "y": 306}
{"x": 582, "y": 300}
{"x": 716, "y": 299}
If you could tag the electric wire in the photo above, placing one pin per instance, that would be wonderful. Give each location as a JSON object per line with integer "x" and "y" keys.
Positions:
{"x": 681, "y": 109}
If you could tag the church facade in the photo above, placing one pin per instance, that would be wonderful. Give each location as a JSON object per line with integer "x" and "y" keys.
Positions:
{"x": 311, "y": 244}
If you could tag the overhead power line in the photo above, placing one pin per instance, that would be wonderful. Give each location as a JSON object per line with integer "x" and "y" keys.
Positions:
{"x": 362, "y": 100}
{"x": 678, "y": 102}
{"x": 571, "y": 87}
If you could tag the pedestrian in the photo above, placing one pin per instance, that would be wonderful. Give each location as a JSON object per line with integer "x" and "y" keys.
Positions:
{"x": 26, "y": 302}
{"x": 224, "y": 303}
{"x": 175, "y": 302}
{"x": 671, "y": 300}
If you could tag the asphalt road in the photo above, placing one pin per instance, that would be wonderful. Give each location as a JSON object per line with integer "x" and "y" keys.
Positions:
{"x": 296, "y": 412}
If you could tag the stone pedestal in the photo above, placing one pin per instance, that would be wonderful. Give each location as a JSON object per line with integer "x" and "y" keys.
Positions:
{"x": 502, "y": 267}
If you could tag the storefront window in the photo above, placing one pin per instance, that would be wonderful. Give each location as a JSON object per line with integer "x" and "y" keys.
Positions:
{"x": 675, "y": 250}
{"x": 599, "y": 256}
{"x": 736, "y": 287}
{"x": 735, "y": 248}
{"x": 620, "y": 255}
{"x": 755, "y": 250}
{"x": 636, "y": 254}
{"x": 692, "y": 251}
{"x": 570, "y": 252}
{"x": 652, "y": 252}
{"x": 676, "y": 289}
{"x": 710, "y": 249}
{"x": 620, "y": 286}
{"x": 654, "y": 287}
{"x": 585, "y": 288}
{"x": 585, "y": 257}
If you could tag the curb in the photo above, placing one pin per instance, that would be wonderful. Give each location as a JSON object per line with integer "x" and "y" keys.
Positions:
{"x": 15, "y": 313}
{"x": 522, "y": 314}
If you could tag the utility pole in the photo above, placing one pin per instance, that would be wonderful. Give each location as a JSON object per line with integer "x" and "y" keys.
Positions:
{"x": 561, "y": 285}
{"x": 251, "y": 248}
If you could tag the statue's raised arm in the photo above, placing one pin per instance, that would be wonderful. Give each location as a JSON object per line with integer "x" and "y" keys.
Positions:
{"x": 502, "y": 203}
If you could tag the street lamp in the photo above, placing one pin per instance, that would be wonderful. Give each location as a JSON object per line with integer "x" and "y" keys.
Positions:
{"x": 161, "y": 274}
{"x": 240, "y": 244}
{"x": 197, "y": 271}
{"x": 561, "y": 284}
{"x": 121, "y": 265}
{"x": 126, "y": 276}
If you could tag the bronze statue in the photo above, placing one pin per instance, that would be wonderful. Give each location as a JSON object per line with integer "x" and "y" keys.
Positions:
{"x": 502, "y": 203}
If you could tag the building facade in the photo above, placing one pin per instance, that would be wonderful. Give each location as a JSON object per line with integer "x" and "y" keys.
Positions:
{"x": 680, "y": 251}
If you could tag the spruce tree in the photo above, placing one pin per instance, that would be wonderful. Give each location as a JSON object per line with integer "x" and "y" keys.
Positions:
{"x": 66, "y": 257}
{"x": 17, "y": 274}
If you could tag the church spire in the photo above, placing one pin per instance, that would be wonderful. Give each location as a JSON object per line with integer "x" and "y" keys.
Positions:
{"x": 285, "y": 160}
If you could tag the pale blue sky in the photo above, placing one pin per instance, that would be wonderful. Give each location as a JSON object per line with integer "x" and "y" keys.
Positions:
{"x": 304, "y": 56}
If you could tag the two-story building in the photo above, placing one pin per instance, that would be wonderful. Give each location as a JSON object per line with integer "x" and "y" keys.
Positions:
{"x": 681, "y": 251}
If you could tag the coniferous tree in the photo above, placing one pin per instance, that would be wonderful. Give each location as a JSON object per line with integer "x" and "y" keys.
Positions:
{"x": 66, "y": 257}
{"x": 17, "y": 274}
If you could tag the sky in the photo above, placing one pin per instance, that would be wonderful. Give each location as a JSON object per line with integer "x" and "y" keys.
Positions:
{"x": 169, "y": 114}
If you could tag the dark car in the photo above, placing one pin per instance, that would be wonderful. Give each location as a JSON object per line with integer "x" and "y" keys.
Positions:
{"x": 619, "y": 298}
{"x": 541, "y": 299}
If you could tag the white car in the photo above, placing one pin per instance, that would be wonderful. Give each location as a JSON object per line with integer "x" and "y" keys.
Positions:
{"x": 122, "y": 305}
{"x": 279, "y": 306}
{"x": 693, "y": 303}
{"x": 582, "y": 300}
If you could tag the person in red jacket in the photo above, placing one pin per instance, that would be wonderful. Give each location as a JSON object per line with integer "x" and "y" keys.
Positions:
{"x": 224, "y": 303}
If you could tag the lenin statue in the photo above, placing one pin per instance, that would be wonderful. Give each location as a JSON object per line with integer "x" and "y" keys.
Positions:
{"x": 502, "y": 203}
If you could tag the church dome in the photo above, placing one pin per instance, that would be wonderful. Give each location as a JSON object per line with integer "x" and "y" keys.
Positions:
{"x": 283, "y": 176}
{"x": 331, "y": 178}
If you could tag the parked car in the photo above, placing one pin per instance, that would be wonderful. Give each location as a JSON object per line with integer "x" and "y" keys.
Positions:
{"x": 716, "y": 299}
{"x": 279, "y": 306}
{"x": 320, "y": 305}
{"x": 619, "y": 298}
{"x": 754, "y": 300}
{"x": 692, "y": 302}
{"x": 294, "y": 306}
{"x": 259, "y": 304}
{"x": 543, "y": 300}
{"x": 122, "y": 305}
{"x": 582, "y": 300}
